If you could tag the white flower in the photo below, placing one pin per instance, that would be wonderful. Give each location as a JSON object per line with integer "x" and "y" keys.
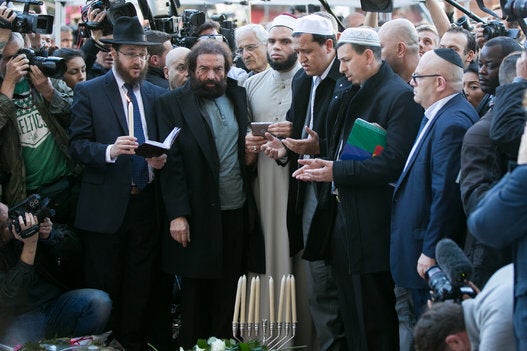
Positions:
{"x": 197, "y": 348}
{"x": 217, "y": 345}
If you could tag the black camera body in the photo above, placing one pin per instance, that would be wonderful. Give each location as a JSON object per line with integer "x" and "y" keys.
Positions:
{"x": 34, "y": 205}
{"x": 51, "y": 66}
{"x": 514, "y": 9}
{"x": 494, "y": 29}
{"x": 443, "y": 289}
{"x": 26, "y": 22}
{"x": 114, "y": 9}
{"x": 32, "y": 23}
{"x": 185, "y": 34}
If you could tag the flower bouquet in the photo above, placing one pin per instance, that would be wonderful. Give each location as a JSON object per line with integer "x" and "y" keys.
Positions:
{"x": 215, "y": 344}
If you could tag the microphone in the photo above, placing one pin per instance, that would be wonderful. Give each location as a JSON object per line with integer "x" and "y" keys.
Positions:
{"x": 453, "y": 262}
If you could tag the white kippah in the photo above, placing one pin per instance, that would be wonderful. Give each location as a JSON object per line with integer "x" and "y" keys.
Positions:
{"x": 361, "y": 36}
{"x": 313, "y": 24}
{"x": 283, "y": 21}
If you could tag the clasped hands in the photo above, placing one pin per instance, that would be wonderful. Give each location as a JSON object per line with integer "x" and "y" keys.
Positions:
{"x": 126, "y": 145}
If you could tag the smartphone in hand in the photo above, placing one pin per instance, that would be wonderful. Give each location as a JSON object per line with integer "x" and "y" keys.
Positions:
{"x": 260, "y": 128}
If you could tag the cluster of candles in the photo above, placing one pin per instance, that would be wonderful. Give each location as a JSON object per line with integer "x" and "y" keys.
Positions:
{"x": 285, "y": 317}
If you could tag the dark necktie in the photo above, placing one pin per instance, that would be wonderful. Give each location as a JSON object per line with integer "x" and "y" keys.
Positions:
{"x": 140, "y": 167}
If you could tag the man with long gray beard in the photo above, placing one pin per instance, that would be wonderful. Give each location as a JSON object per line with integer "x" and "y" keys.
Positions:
{"x": 214, "y": 232}
{"x": 116, "y": 212}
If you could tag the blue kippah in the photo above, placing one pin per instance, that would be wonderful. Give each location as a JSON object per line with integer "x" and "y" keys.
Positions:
{"x": 450, "y": 56}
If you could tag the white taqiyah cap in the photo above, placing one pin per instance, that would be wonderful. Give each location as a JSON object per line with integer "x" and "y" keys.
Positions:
{"x": 313, "y": 24}
{"x": 283, "y": 21}
{"x": 361, "y": 36}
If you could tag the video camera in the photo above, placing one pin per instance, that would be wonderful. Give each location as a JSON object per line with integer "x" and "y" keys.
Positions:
{"x": 34, "y": 205}
{"x": 26, "y": 22}
{"x": 186, "y": 32}
{"x": 447, "y": 280}
{"x": 114, "y": 9}
{"x": 51, "y": 66}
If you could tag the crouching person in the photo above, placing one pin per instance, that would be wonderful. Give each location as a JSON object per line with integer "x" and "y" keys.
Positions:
{"x": 31, "y": 307}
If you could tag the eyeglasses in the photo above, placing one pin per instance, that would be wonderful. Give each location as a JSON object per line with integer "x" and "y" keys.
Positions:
{"x": 416, "y": 76}
{"x": 131, "y": 55}
{"x": 248, "y": 48}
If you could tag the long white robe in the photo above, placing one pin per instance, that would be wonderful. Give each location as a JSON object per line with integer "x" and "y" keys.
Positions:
{"x": 269, "y": 99}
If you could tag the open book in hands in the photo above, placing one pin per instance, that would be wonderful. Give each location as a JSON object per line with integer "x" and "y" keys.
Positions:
{"x": 151, "y": 148}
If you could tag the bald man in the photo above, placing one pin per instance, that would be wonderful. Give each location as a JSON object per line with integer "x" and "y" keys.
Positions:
{"x": 427, "y": 202}
{"x": 400, "y": 47}
{"x": 175, "y": 69}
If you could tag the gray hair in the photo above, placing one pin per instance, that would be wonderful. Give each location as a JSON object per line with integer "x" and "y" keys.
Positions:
{"x": 257, "y": 29}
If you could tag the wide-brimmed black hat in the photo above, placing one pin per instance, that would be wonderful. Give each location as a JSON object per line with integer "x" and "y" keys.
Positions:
{"x": 128, "y": 31}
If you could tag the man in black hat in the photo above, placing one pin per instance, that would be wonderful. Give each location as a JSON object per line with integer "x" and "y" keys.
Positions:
{"x": 426, "y": 202}
{"x": 116, "y": 213}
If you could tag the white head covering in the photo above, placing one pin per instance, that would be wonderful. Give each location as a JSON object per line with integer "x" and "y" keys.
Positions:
{"x": 283, "y": 21}
{"x": 313, "y": 24}
{"x": 361, "y": 36}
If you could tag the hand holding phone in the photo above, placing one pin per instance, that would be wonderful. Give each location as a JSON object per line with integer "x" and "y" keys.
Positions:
{"x": 260, "y": 128}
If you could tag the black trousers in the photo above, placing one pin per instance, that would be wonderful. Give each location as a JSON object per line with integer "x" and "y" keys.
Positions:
{"x": 367, "y": 303}
{"x": 122, "y": 264}
{"x": 208, "y": 304}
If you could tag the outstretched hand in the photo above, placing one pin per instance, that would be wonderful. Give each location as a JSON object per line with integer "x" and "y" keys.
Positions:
{"x": 307, "y": 146}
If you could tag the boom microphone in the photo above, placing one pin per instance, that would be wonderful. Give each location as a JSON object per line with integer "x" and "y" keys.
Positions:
{"x": 453, "y": 262}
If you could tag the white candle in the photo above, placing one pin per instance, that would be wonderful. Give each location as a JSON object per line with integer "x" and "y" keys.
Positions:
{"x": 130, "y": 117}
{"x": 281, "y": 301}
{"x": 237, "y": 302}
{"x": 242, "y": 302}
{"x": 288, "y": 300}
{"x": 271, "y": 300}
{"x": 257, "y": 300}
{"x": 250, "y": 319}
{"x": 293, "y": 299}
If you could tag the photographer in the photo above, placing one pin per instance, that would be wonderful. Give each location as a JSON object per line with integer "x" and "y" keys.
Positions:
{"x": 34, "y": 115}
{"x": 483, "y": 323}
{"x": 97, "y": 54}
{"x": 31, "y": 308}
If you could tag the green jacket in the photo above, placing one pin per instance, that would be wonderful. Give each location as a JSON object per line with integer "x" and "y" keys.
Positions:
{"x": 57, "y": 117}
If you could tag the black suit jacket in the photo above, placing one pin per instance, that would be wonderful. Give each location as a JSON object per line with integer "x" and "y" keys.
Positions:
{"x": 301, "y": 91}
{"x": 190, "y": 186}
{"x": 97, "y": 119}
{"x": 364, "y": 186}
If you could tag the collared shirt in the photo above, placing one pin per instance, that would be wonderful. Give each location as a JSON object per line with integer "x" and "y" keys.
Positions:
{"x": 124, "y": 100}
{"x": 430, "y": 114}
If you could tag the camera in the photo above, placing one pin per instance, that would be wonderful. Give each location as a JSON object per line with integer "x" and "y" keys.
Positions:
{"x": 26, "y": 22}
{"x": 114, "y": 9}
{"x": 494, "y": 29}
{"x": 514, "y": 9}
{"x": 51, "y": 66}
{"x": 34, "y": 205}
{"x": 183, "y": 29}
{"x": 443, "y": 289}
{"x": 464, "y": 23}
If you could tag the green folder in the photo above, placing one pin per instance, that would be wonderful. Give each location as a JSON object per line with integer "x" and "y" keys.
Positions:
{"x": 365, "y": 140}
